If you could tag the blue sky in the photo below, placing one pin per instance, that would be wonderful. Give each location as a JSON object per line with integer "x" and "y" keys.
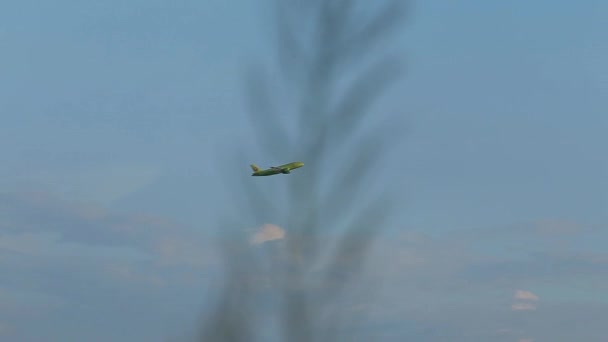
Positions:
{"x": 119, "y": 118}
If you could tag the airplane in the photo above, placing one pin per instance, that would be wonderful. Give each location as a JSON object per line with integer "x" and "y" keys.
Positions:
{"x": 275, "y": 170}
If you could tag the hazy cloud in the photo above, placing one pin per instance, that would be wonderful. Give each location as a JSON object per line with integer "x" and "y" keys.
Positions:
{"x": 523, "y": 307}
{"x": 39, "y": 223}
{"x": 525, "y": 295}
{"x": 183, "y": 250}
{"x": 67, "y": 258}
{"x": 5, "y": 329}
{"x": 267, "y": 232}
{"x": 101, "y": 183}
{"x": 525, "y": 298}
{"x": 143, "y": 257}
{"x": 558, "y": 227}
{"x": 29, "y": 303}
{"x": 126, "y": 272}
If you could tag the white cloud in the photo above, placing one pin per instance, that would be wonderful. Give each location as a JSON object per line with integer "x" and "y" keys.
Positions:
{"x": 525, "y": 295}
{"x": 268, "y": 232}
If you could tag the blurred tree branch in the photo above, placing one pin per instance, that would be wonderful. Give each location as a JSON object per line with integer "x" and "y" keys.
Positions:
{"x": 313, "y": 61}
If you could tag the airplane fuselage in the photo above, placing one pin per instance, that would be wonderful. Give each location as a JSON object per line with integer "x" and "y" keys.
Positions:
{"x": 275, "y": 170}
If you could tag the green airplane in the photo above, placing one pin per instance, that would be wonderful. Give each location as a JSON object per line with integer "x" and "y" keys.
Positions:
{"x": 275, "y": 170}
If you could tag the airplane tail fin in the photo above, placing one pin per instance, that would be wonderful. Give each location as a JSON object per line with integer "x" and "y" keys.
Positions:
{"x": 255, "y": 168}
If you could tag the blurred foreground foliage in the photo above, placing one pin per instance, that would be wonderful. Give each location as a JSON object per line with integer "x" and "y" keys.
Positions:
{"x": 307, "y": 286}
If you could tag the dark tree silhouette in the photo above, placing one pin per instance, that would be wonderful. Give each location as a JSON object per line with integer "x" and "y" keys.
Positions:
{"x": 332, "y": 208}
